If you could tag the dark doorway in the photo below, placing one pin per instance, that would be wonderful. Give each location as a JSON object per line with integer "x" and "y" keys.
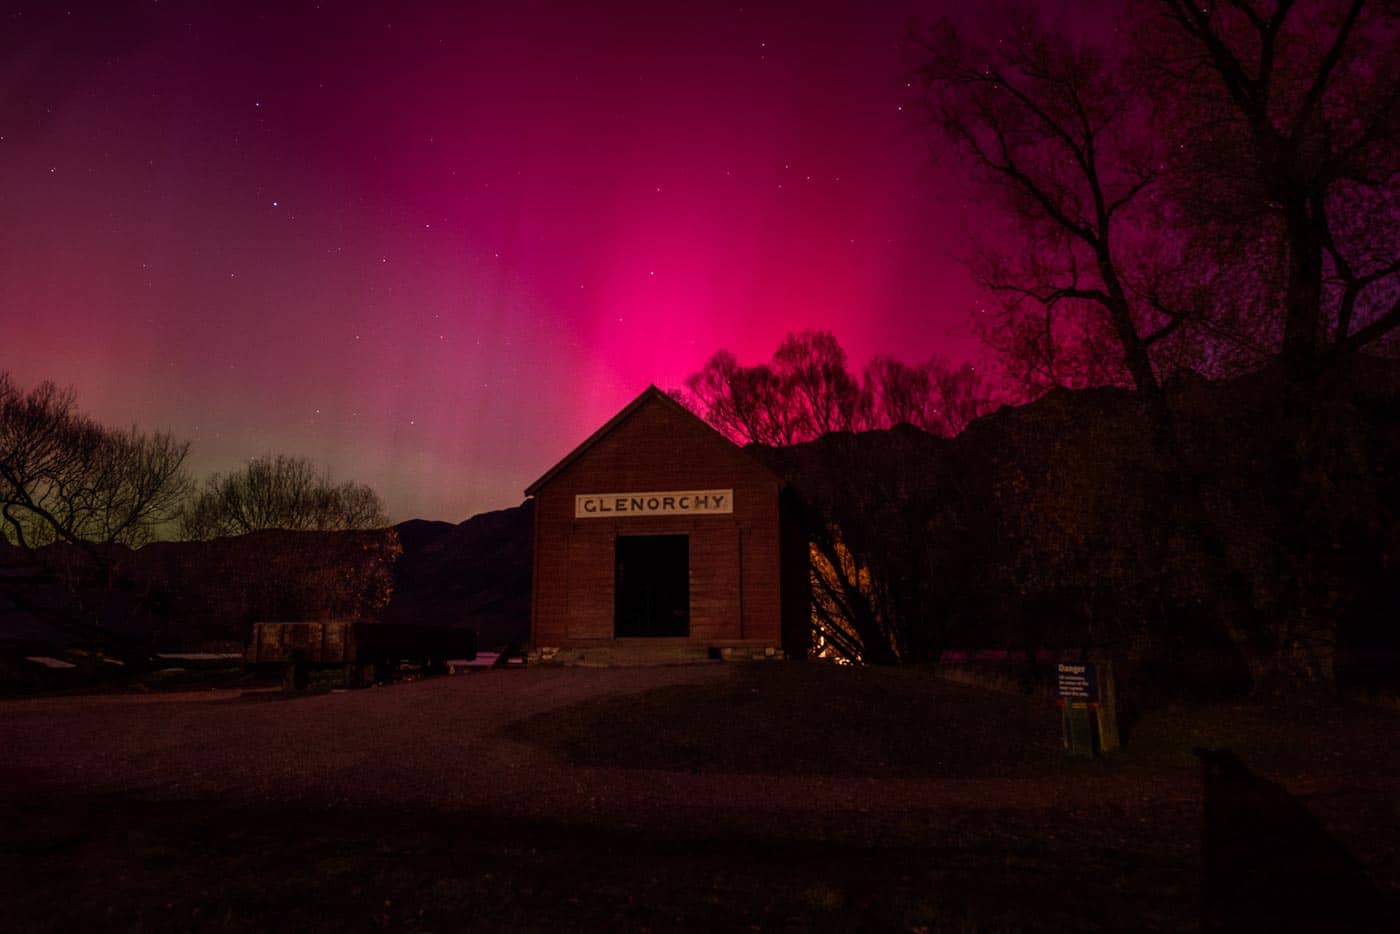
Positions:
{"x": 653, "y": 586}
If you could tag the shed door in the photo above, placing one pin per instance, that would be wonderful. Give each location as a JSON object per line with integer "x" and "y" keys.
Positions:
{"x": 652, "y": 594}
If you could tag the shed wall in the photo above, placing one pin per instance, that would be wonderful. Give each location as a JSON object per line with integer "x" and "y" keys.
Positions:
{"x": 735, "y": 569}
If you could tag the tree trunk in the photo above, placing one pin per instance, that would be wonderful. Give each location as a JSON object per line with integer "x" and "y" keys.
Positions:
{"x": 1303, "y": 332}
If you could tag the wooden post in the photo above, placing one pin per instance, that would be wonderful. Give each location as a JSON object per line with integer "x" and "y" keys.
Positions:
{"x": 1106, "y": 710}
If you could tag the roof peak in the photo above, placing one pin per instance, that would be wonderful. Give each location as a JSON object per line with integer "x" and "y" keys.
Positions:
{"x": 651, "y": 392}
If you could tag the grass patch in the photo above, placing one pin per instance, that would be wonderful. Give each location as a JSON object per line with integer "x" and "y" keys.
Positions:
{"x": 813, "y": 719}
{"x": 810, "y": 719}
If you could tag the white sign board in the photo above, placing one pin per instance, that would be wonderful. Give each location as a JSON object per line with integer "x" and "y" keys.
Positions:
{"x": 667, "y": 503}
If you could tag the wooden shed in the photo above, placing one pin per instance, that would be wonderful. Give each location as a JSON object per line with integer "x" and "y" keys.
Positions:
{"x": 657, "y": 537}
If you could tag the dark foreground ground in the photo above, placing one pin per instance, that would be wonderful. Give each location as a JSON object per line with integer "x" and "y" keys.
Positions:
{"x": 712, "y": 797}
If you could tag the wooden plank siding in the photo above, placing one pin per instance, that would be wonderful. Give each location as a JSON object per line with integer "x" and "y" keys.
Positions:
{"x": 736, "y": 591}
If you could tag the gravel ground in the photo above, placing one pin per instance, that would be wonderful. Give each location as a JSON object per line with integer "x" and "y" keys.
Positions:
{"x": 447, "y": 743}
{"x": 439, "y": 794}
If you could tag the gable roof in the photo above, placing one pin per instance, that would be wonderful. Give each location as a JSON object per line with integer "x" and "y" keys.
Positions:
{"x": 651, "y": 393}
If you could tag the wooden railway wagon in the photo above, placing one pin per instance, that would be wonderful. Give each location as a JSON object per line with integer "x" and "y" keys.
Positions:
{"x": 363, "y": 651}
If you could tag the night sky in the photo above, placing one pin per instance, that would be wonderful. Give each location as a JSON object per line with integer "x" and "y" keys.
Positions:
{"x": 432, "y": 247}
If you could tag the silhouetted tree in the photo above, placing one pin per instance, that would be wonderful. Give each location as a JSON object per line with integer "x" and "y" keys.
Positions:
{"x": 808, "y": 390}
{"x": 85, "y": 494}
{"x": 940, "y": 399}
{"x": 280, "y": 492}
{"x": 1288, "y": 182}
{"x": 1208, "y": 196}
{"x": 1287, "y": 170}
{"x": 890, "y": 545}
{"x": 876, "y": 596}
{"x": 747, "y": 404}
{"x": 820, "y": 393}
{"x": 1066, "y": 157}
{"x": 899, "y": 393}
{"x": 1141, "y": 259}
{"x": 805, "y": 392}
{"x": 960, "y": 395}
{"x": 64, "y": 477}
